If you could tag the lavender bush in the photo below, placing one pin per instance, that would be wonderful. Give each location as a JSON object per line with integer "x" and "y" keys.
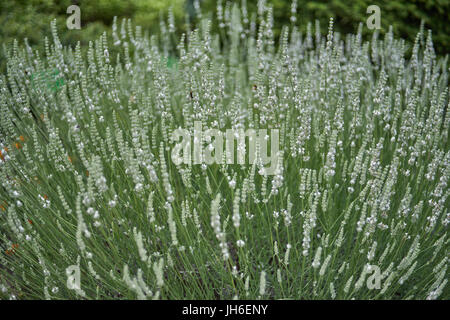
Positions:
{"x": 357, "y": 208}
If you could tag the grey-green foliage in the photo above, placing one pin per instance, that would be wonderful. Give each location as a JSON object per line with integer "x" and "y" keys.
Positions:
{"x": 87, "y": 178}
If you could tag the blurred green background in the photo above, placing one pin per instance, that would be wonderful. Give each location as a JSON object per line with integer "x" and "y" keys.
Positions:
{"x": 31, "y": 18}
